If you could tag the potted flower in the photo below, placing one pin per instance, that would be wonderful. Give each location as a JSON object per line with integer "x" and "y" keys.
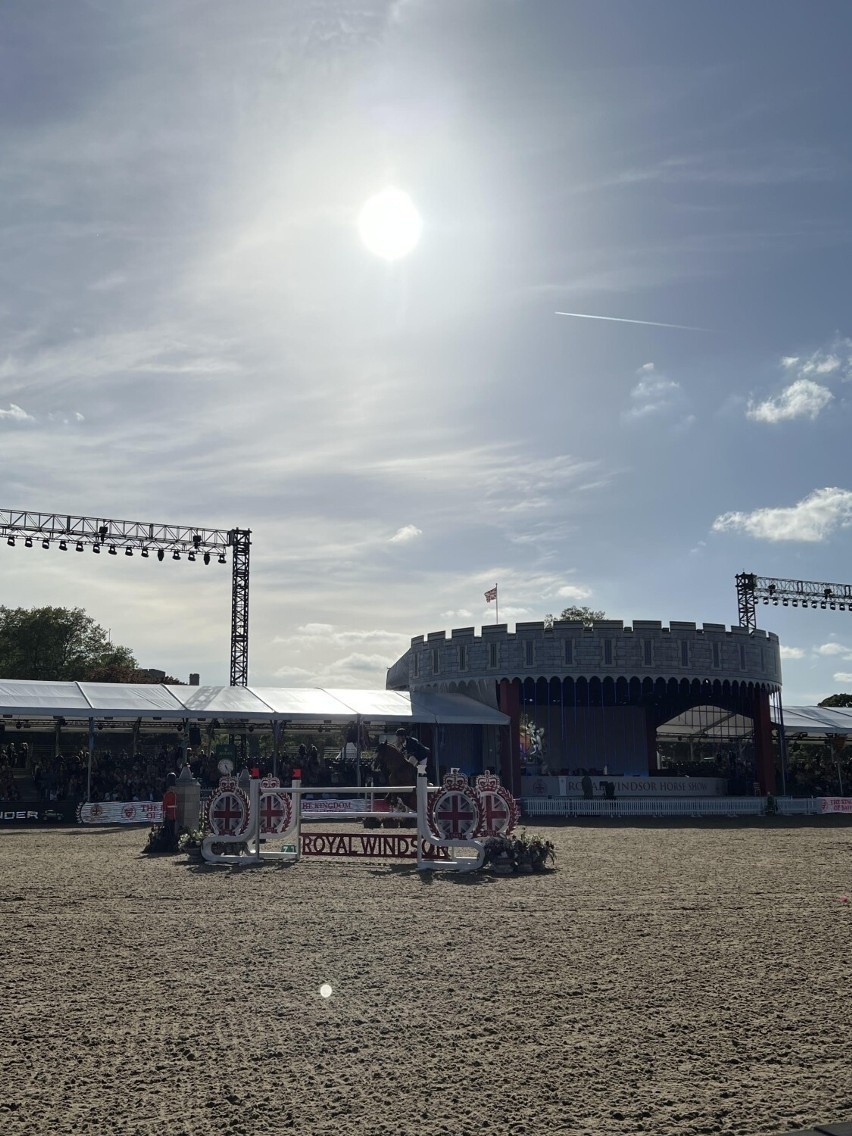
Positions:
{"x": 500, "y": 854}
{"x": 190, "y": 843}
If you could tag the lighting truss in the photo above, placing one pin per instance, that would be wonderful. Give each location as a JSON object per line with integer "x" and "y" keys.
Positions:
{"x": 753, "y": 589}
{"x": 197, "y": 543}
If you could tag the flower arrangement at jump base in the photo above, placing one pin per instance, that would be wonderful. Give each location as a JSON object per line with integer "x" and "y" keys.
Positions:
{"x": 190, "y": 842}
{"x": 522, "y": 853}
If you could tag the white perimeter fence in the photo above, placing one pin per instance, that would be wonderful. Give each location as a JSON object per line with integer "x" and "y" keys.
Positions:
{"x": 667, "y": 807}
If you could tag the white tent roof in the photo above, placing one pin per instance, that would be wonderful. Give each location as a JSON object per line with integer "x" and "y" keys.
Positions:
{"x": 817, "y": 720}
{"x": 129, "y": 701}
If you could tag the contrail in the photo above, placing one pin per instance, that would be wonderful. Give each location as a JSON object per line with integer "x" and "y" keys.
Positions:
{"x": 618, "y": 319}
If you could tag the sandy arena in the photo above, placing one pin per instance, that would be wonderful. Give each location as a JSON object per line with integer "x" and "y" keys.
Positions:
{"x": 667, "y": 980}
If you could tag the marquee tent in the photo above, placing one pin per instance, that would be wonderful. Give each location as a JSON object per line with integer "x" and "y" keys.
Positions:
{"x": 130, "y": 702}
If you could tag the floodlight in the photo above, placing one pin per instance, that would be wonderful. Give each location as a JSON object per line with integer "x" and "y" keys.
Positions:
{"x": 63, "y": 546}
{"x": 11, "y": 542}
{"x": 144, "y": 553}
{"x": 222, "y": 559}
{"x": 128, "y": 552}
{"x": 45, "y": 544}
{"x": 79, "y": 546}
{"x": 28, "y": 543}
{"x": 191, "y": 556}
{"x": 96, "y": 548}
{"x": 175, "y": 555}
{"x": 112, "y": 550}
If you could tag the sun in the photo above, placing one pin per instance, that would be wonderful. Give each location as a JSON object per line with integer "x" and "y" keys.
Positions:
{"x": 389, "y": 224}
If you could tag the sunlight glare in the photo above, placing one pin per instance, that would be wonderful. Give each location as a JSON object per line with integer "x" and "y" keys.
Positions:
{"x": 389, "y": 224}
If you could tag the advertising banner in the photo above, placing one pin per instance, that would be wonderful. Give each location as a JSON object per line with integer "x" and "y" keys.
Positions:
{"x": 625, "y": 786}
{"x": 37, "y": 812}
{"x": 835, "y": 804}
{"x": 120, "y": 812}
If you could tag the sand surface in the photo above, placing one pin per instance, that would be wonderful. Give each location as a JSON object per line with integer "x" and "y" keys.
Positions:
{"x": 667, "y": 980}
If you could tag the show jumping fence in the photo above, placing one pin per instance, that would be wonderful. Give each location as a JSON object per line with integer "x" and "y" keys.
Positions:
{"x": 255, "y": 815}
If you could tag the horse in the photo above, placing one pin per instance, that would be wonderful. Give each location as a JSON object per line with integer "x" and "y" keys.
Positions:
{"x": 393, "y": 768}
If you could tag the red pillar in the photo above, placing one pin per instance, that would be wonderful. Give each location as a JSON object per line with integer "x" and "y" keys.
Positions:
{"x": 764, "y": 758}
{"x": 509, "y": 700}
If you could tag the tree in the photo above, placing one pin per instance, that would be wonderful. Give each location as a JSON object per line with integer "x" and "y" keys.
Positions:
{"x": 837, "y": 700}
{"x": 586, "y": 615}
{"x": 62, "y": 644}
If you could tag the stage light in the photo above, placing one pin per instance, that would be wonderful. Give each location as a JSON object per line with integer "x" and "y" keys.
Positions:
{"x": 96, "y": 548}
{"x": 814, "y": 603}
{"x": 821, "y": 604}
{"x": 785, "y": 602}
{"x": 775, "y": 603}
{"x": 28, "y": 543}
{"x": 45, "y": 544}
{"x": 842, "y": 607}
{"x": 795, "y": 603}
{"x": 832, "y": 606}
{"x": 222, "y": 559}
{"x": 160, "y": 554}
{"x": 128, "y": 552}
{"x": 206, "y": 557}
{"x": 63, "y": 546}
{"x": 766, "y": 599}
{"x": 112, "y": 550}
{"x": 196, "y": 539}
{"x": 79, "y": 546}
{"x": 175, "y": 555}
{"x": 191, "y": 556}
{"x": 144, "y": 553}
{"x": 11, "y": 542}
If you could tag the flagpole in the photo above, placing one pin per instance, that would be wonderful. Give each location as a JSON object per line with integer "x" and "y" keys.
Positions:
{"x": 496, "y": 606}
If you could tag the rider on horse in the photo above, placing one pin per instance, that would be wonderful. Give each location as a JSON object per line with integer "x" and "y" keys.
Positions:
{"x": 416, "y": 753}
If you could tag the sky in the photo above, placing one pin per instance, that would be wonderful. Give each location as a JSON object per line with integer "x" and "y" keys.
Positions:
{"x": 192, "y": 330}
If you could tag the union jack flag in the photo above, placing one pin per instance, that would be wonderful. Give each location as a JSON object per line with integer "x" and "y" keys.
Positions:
{"x": 491, "y": 594}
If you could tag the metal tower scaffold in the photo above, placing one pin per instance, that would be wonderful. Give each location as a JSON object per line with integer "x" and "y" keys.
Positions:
{"x": 752, "y": 589}
{"x": 193, "y": 542}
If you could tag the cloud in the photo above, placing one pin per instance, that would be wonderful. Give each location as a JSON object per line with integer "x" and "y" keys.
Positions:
{"x": 802, "y": 399}
{"x": 653, "y": 394}
{"x": 812, "y": 519}
{"x": 573, "y": 592}
{"x": 842, "y": 676}
{"x": 835, "y": 360}
{"x": 461, "y": 613}
{"x": 405, "y": 534}
{"x": 792, "y": 653}
{"x": 834, "y": 650}
{"x": 15, "y": 414}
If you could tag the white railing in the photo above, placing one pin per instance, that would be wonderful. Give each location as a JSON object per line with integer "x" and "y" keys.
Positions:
{"x": 665, "y": 807}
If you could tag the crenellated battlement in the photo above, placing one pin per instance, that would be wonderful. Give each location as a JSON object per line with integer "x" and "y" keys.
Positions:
{"x": 606, "y": 648}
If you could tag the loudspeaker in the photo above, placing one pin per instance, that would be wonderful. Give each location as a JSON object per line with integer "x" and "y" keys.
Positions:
{"x": 194, "y": 736}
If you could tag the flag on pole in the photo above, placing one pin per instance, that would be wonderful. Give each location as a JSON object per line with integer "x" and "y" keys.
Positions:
{"x": 491, "y": 594}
